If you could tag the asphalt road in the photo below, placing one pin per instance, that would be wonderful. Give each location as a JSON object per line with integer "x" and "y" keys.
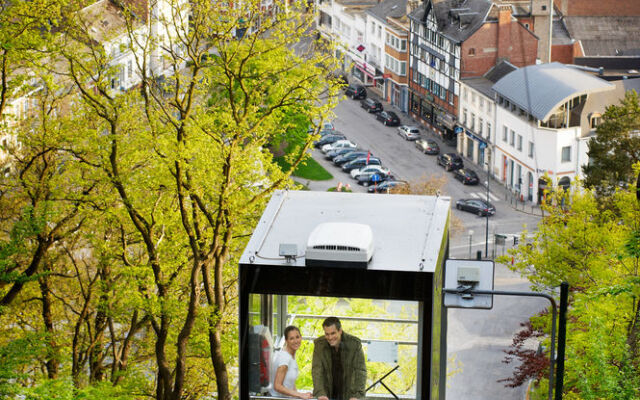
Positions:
{"x": 476, "y": 338}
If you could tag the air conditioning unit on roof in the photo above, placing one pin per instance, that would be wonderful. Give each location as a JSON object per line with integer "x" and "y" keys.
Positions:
{"x": 340, "y": 244}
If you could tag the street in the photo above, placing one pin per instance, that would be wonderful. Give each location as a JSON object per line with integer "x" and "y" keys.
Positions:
{"x": 476, "y": 338}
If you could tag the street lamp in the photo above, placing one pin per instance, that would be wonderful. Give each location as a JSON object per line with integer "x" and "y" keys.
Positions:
{"x": 486, "y": 232}
{"x": 470, "y": 241}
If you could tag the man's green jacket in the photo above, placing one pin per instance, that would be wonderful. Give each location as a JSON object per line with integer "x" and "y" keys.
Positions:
{"x": 353, "y": 365}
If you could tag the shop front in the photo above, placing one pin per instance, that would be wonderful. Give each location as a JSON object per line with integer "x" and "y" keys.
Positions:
{"x": 447, "y": 124}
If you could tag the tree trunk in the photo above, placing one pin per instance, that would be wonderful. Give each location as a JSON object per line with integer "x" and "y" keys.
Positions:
{"x": 52, "y": 362}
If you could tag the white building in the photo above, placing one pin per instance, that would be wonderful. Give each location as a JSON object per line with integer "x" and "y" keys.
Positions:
{"x": 477, "y": 111}
{"x": 545, "y": 115}
{"x": 344, "y": 22}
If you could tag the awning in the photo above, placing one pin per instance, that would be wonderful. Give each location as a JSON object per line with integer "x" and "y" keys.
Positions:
{"x": 367, "y": 73}
{"x": 446, "y": 120}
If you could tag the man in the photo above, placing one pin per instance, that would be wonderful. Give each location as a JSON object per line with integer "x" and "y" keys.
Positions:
{"x": 338, "y": 368}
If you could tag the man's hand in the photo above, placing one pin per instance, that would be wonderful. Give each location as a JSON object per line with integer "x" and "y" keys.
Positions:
{"x": 323, "y": 398}
{"x": 305, "y": 395}
{"x": 353, "y": 398}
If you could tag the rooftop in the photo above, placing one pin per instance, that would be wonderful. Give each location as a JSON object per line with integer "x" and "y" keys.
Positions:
{"x": 408, "y": 231}
{"x": 457, "y": 20}
{"x": 540, "y": 89}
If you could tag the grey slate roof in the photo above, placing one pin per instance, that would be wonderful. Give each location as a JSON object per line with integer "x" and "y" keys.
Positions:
{"x": 456, "y": 20}
{"x": 540, "y": 89}
{"x": 389, "y": 8}
{"x": 602, "y": 36}
{"x": 484, "y": 84}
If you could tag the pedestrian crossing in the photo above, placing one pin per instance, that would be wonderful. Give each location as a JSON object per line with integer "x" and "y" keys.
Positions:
{"x": 483, "y": 196}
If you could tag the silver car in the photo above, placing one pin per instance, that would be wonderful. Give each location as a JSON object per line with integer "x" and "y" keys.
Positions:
{"x": 409, "y": 132}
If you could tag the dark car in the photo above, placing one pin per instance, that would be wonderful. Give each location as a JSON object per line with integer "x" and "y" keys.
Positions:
{"x": 345, "y": 158}
{"x": 466, "y": 176}
{"x": 476, "y": 206}
{"x": 450, "y": 161}
{"x": 427, "y": 146}
{"x": 372, "y": 178}
{"x": 388, "y": 118}
{"x": 333, "y": 154}
{"x": 328, "y": 139}
{"x": 371, "y": 105}
{"x": 387, "y": 186}
{"x": 356, "y": 92}
{"x": 360, "y": 162}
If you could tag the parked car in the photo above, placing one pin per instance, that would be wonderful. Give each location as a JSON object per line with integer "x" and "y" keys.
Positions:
{"x": 409, "y": 132}
{"x": 369, "y": 169}
{"x": 476, "y": 206}
{"x": 333, "y": 154}
{"x": 356, "y": 92}
{"x": 328, "y": 139}
{"x": 371, "y": 105}
{"x": 325, "y": 127}
{"x": 427, "y": 146}
{"x": 360, "y": 162}
{"x": 389, "y": 186}
{"x": 388, "y": 118}
{"x": 340, "y": 144}
{"x": 345, "y": 158}
{"x": 467, "y": 177}
{"x": 372, "y": 178}
{"x": 450, "y": 161}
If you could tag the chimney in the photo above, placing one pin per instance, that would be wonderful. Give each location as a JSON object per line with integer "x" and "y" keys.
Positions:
{"x": 504, "y": 32}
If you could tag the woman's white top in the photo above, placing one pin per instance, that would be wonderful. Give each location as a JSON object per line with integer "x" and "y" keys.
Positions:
{"x": 281, "y": 358}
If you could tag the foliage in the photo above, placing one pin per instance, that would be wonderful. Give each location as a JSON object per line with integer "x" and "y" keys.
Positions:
{"x": 591, "y": 245}
{"x": 615, "y": 147}
{"x": 123, "y": 224}
{"x": 307, "y": 169}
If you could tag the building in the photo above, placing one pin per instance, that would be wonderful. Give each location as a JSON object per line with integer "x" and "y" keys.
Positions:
{"x": 545, "y": 115}
{"x": 452, "y": 39}
{"x": 345, "y": 23}
{"x": 477, "y": 113}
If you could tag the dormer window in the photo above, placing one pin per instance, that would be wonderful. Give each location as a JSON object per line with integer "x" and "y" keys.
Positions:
{"x": 594, "y": 120}
{"x": 472, "y": 51}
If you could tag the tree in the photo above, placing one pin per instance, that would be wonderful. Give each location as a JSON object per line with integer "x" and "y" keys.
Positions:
{"x": 616, "y": 146}
{"x": 187, "y": 156}
{"x": 595, "y": 248}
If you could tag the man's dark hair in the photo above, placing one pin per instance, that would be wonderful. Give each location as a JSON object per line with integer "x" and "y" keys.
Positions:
{"x": 289, "y": 329}
{"x": 332, "y": 321}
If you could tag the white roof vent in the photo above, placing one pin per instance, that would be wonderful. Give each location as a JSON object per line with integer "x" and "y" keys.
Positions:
{"x": 340, "y": 244}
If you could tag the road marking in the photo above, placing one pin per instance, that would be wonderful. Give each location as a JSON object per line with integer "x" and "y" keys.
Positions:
{"x": 483, "y": 196}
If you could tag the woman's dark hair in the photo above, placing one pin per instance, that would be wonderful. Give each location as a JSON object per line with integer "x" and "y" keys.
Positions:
{"x": 289, "y": 329}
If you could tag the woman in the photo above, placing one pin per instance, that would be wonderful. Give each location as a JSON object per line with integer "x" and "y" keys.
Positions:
{"x": 284, "y": 367}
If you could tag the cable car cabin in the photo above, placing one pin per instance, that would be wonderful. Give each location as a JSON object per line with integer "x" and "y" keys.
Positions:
{"x": 375, "y": 262}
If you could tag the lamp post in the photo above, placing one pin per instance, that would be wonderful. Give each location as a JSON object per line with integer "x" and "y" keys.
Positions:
{"x": 470, "y": 241}
{"x": 486, "y": 232}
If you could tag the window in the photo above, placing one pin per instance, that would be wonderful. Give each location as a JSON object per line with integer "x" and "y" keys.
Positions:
{"x": 566, "y": 154}
{"x": 473, "y": 122}
{"x": 480, "y": 125}
{"x": 373, "y": 27}
{"x": 481, "y": 103}
{"x": 379, "y": 31}
{"x": 512, "y": 139}
{"x": 473, "y": 98}
{"x": 530, "y": 149}
{"x": 489, "y": 131}
{"x": 464, "y": 117}
{"x": 520, "y": 142}
{"x": 505, "y": 133}
{"x": 397, "y": 67}
{"x": 396, "y": 42}
{"x": 594, "y": 120}
{"x": 130, "y": 69}
{"x": 472, "y": 51}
